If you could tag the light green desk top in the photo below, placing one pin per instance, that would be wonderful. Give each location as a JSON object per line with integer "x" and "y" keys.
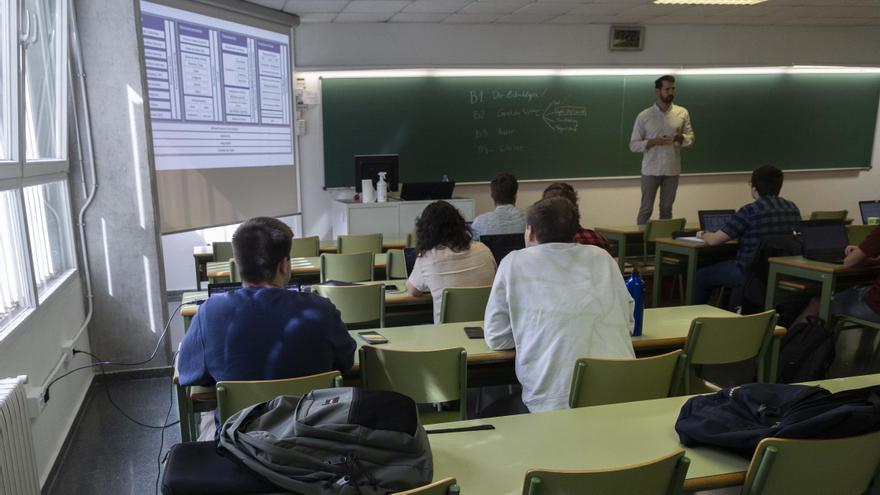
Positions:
{"x": 635, "y": 229}
{"x": 495, "y": 461}
{"x": 329, "y": 245}
{"x": 299, "y": 266}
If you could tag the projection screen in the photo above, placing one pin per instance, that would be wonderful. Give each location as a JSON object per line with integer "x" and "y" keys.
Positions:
{"x": 221, "y": 111}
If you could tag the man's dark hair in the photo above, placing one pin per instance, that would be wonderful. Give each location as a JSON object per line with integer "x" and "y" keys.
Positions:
{"x": 259, "y": 245}
{"x": 659, "y": 82}
{"x": 553, "y": 220}
{"x": 561, "y": 190}
{"x": 767, "y": 180}
{"x": 441, "y": 225}
{"x": 503, "y": 189}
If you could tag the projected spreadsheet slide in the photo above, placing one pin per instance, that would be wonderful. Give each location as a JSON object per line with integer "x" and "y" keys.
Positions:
{"x": 219, "y": 92}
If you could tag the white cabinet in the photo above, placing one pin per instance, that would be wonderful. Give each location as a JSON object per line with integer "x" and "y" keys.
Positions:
{"x": 392, "y": 219}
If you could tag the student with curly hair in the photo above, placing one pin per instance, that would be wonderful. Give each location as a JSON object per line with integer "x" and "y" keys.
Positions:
{"x": 447, "y": 255}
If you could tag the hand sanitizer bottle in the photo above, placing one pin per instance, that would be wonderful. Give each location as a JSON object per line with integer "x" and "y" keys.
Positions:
{"x": 381, "y": 188}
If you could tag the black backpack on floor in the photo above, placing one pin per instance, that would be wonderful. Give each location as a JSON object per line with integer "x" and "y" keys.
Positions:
{"x": 806, "y": 352}
{"x": 739, "y": 418}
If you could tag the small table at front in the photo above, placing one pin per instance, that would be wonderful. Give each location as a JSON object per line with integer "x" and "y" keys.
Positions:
{"x": 664, "y": 329}
{"x": 692, "y": 250}
{"x": 298, "y": 266}
{"x": 598, "y": 437}
{"x": 629, "y": 234}
{"x": 829, "y": 275}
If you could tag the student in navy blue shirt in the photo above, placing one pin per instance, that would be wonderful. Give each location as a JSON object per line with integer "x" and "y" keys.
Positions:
{"x": 263, "y": 331}
{"x": 769, "y": 214}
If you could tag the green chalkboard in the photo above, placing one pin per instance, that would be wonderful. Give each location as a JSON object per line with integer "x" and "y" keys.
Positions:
{"x": 558, "y": 127}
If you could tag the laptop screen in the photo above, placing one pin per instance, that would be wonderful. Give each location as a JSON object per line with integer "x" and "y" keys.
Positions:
{"x": 869, "y": 209}
{"x": 823, "y": 235}
{"x": 713, "y": 220}
{"x": 502, "y": 244}
{"x": 409, "y": 257}
{"x": 214, "y": 289}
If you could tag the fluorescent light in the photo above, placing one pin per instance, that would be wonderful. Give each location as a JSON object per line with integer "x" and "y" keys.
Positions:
{"x": 708, "y": 2}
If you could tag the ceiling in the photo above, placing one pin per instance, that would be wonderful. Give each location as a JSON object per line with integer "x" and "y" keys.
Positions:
{"x": 640, "y": 12}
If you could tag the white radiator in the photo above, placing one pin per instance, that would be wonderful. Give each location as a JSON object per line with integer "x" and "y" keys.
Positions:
{"x": 18, "y": 464}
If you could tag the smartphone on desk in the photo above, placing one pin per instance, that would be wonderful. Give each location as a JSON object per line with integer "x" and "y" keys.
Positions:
{"x": 474, "y": 332}
{"x": 372, "y": 337}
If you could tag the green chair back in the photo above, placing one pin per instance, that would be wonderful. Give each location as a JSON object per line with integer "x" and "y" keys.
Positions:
{"x": 599, "y": 381}
{"x": 829, "y": 215}
{"x": 807, "y": 467}
{"x": 857, "y": 233}
{"x": 395, "y": 264}
{"x": 368, "y": 243}
{"x": 464, "y": 303}
{"x": 305, "y": 247}
{"x": 356, "y": 303}
{"x": 663, "y": 476}
{"x": 411, "y": 239}
{"x": 657, "y": 229}
{"x": 233, "y": 396}
{"x": 729, "y": 339}
{"x": 347, "y": 267}
{"x": 446, "y": 486}
{"x": 425, "y": 376}
{"x": 222, "y": 251}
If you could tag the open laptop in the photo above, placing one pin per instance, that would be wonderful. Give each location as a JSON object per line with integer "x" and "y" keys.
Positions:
{"x": 409, "y": 257}
{"x": 713, "y": 220}
{"x": 501, "y": 244}
{"x": 214, "y": 289}
{"x": 415, "y": 191}
{"x": 824, "y": 240}
{"x": 869, "y": 209}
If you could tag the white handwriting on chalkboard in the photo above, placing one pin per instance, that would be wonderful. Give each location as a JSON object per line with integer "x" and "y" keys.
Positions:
{"x": 506, "y": 132}
{"x": 563, "y": 118}
{"x": 476, "y": 97}
{"x": 510, "y": 94}
{"x": 479, "y": 114}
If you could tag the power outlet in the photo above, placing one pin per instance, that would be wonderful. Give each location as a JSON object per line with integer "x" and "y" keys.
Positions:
{"x": 35, "y": 401}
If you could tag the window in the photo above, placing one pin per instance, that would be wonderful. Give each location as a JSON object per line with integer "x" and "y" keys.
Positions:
{"x": 14, "y": 292}
{"x": 43, "y": 77}
{"x": 48, "y": 221}
{"x": 8, "y": 80}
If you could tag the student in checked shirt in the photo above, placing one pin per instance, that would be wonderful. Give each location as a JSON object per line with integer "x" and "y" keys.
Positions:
{"x": 769, "y": 214}
{"x": 583, "y": 236}
{"x": 660, "y": 132}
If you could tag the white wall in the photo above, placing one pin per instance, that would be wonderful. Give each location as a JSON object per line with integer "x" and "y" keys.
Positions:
{"x": 347, "y": 46}
{"x": 34, "y": 349}
{"x": 177, "y": 249}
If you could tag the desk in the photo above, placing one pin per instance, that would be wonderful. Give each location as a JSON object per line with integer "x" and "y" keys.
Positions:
{"x": 298, "y": 266}
{"x": 829, "y": 275}
{"x": 630, "y": 234}
{"x": 692, "y": 251}
{"x": 329, "y": 246}
{"x": 599, "y": 437}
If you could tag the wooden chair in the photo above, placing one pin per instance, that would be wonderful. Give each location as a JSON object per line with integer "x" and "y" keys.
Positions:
{"x": 305, "y": 247}
{"x": 359, "y": 305}
{"x": 464, "y": 303}
{"x": 446, "y": 486}
{"x": 368, "y": 243}
{"x": 663, "y": 476}
{"x": 347, "y": 267}
{"x": 599, "y": 381}
{"x": 725, "y": 340}
{"x": 428, "y": 377}
{"x": 857, "y": 233}
{"x": 815, "y": 467}
{"x": 395, "y": 264}
{"x": 829, "y": 215}
{"x": 233, "y": 396}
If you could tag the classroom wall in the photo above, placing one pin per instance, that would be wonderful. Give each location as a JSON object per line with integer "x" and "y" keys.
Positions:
{"x": 355, "y": 46}
{"x": 33, "y": 348}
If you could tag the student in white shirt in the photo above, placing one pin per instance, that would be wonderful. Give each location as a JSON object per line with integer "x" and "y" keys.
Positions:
{"x": 556, "y": 301}
{"x": 447, "y": 256}
{"x": 660, "y": 132}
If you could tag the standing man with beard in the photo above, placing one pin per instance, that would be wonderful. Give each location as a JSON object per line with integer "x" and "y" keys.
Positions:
{"x": 659, "y": 133}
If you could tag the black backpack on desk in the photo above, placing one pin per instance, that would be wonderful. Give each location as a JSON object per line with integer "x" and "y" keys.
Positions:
{"x": 739, "y": 418}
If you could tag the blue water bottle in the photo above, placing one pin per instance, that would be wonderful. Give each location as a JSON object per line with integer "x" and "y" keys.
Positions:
{"x": 636, "y": 287}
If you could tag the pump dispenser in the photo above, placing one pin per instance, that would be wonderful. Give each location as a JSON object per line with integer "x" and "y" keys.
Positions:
{"x": 381, "y": 188}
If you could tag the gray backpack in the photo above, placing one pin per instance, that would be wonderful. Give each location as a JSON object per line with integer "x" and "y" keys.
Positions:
{"x": 333, "y": 441}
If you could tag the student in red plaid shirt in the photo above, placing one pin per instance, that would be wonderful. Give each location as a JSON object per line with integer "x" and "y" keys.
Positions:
{"x": 583, "y": 236}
